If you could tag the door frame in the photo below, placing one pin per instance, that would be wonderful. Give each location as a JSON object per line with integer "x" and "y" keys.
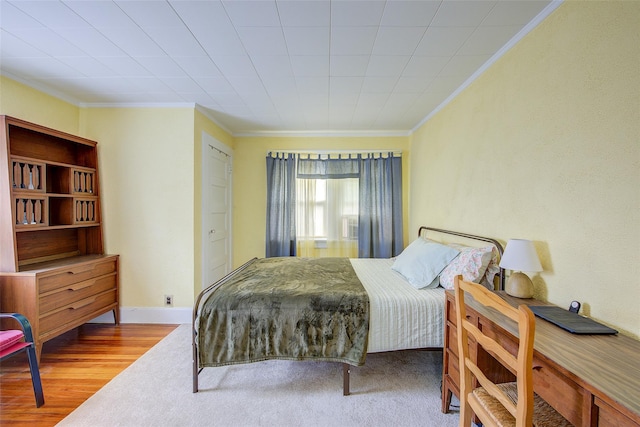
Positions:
{"x": 210, "y": 142}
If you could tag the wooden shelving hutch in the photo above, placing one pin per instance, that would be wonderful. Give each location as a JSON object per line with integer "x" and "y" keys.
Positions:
{"x": 52, "y": 263}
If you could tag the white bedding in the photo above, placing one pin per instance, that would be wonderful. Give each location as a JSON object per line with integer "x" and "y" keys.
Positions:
{"x": 401, "y": 316}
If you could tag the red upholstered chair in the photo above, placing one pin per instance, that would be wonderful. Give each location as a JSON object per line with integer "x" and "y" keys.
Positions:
{"x": 14, "y": 341}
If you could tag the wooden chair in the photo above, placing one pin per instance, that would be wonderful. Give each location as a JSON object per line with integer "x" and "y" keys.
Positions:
{"x": 13, "y": 342}
{"x": 507, "y": 404}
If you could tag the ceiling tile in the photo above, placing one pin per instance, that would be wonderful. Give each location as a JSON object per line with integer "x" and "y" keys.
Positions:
{"x": 259, "y": 13}
{"x": 14, "y": 18}
{"x": 304, "y": 13}
{"x": 412, "y": 84}
{"x": 314, "y": 85}
{"x": 202, "y": 14}
{"x": 348, "y": 65}
{"x": 88, "y": 66}
{"x": 378, "y": 84}
{"x": 198, "y": 66}
{"x": 272, "y": 65}
{"x": 132, "y": 40}
{"x": 52, "y": 14}
{"x": 176, "y": 41}
{"x": 386, "y": 65}
{"x": 91, "y": 41}
{"x": 443, "y": 41}
{"x": 12, "y": 46}
{"x": 48, "y": 41}
{"x": 409, "y": 13}
{"x": 235, "y": 65}
{"x": 125, "y": 66}
{"x": 219, "y": 40}
{"x": 462, "y": 13}
{"x": 263, "y": 40}
{"x": 41, "y": 68}
{"x": 147, "y": 14}
{"x": 307, "y": 41}
{"x": 339, "y": 84}
{"x": 278, "y": 85}
{"x": 161, "y": 66}
{"x": 312, "y": 65}
{"x": 100, "y": 13}
{"x": 181, "y": 84}
{"x": 425, "y": 66}
{"x": 352, "y": 40}
{"x": 397, "y": 40}
{"x": 214, "y": 84}
{"x": 348, "y": 13}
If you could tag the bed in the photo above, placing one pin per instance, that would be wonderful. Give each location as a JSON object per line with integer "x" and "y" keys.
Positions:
{"x": 337, "y": 309}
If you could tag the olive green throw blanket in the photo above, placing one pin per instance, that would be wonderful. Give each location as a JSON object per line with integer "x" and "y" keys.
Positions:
{"x": 286, "y": 308}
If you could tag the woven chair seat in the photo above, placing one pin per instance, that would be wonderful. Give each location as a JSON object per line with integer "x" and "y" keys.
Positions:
{"x": 543, "y": 414}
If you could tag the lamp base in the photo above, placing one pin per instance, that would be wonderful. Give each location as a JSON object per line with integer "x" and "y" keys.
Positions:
{"x": 519, "y": 285}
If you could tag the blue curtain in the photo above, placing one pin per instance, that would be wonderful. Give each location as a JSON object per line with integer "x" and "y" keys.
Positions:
{"x": 281, "y": 202}
{"x": 380, "y": 216}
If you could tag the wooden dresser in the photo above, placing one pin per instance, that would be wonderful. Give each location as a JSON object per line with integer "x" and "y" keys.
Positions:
{"x": 52, "y": 263}
{"x": 592, "y": 380}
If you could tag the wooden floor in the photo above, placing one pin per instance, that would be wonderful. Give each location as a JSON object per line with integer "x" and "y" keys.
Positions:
{"x": 73, "y": 367}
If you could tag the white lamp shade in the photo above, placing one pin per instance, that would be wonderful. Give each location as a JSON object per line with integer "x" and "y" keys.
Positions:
{"x": 520, "y": 255}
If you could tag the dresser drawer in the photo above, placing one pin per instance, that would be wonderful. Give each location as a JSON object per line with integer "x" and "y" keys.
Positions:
{"x": 77, "y": 310}
{"x": 559, "y": 391}
{"x": 453, "y": 367}
{"x": 75, "y": 273}
{"x": 69, "y": 294}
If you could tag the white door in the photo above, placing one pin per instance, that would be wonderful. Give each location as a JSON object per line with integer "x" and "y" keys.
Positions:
{"x": 216, "y": 209}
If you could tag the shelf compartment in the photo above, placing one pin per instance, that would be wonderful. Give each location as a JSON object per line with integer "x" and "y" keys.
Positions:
{"x": 48, "y": 244}
{"x": 86, "y": 210}
{"x": 84, "y": 181}
{"x": 50, "y": 145}
{"x": 59, "y": 179}
{"x": 30, "y": 211}
{"x": 60, "y": 211}
{"x": 27, "y": 175}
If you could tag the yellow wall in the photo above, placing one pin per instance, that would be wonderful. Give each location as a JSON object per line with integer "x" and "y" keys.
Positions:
{"x": 250, "y": 190}
{"x": 23, "y": 102}
{"x": 546, "y": 146}
{"x": 146, "y": 172}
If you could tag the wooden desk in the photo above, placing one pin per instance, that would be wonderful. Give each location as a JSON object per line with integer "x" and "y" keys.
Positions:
{"x": 592, "y": 380}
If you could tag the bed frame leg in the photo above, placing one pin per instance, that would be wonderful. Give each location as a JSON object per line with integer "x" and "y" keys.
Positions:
{"x": 346, "y": 370}
{"x": 195, "y": 363}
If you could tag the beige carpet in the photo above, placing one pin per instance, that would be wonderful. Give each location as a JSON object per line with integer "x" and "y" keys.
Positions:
{"x": 399, "y": 389}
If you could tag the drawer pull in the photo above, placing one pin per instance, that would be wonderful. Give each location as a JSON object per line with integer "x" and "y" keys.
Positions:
{"x": 79, "y": 286}
{"x": 72, "y": 272}
{"x": 537, "y": 367}
{"x": 82, "y": 303}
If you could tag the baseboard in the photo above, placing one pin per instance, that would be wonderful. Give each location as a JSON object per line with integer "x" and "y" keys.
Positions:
{"x": 169, "y": 315}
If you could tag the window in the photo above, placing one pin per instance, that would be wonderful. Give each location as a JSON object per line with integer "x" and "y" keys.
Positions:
{"x": 327, "y": 217}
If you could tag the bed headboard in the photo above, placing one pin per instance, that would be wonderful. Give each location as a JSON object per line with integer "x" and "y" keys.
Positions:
{"x": 422, "y": 231}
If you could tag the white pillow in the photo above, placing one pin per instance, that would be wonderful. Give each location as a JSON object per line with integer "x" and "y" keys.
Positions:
{"x": 422, "y": 261}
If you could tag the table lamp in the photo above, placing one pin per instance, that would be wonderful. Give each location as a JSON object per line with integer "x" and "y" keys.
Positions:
{"x": 520, "y": 255}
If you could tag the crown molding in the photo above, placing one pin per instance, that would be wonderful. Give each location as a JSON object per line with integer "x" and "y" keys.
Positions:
{"x": 323, "y": 134}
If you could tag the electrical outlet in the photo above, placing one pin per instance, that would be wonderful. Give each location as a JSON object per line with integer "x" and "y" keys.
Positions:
{"x": 168, "y": 300}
